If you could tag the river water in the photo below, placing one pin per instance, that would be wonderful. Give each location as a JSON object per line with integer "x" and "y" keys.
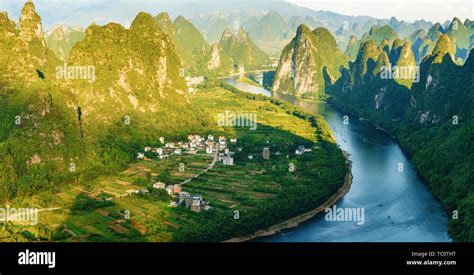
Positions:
{"x": 397, "y": 204}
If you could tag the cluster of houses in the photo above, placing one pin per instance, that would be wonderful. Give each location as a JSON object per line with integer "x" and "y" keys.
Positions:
{"x": 195, "y": 144}
{"x": 301, "y": 150}
{"x": 194, "y": 202}
{"x": 193, "y": 82}
{"x": 266, "y": 152}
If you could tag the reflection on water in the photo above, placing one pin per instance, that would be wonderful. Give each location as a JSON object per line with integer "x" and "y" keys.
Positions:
{"x": 247, "y": 87}
{"x": 398, "y": 205}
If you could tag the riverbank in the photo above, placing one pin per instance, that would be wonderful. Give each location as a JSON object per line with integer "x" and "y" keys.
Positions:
{"x": 294, "y": 222}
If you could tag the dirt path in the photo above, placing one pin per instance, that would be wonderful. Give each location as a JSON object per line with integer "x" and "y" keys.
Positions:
{"x": 211, "y": 165}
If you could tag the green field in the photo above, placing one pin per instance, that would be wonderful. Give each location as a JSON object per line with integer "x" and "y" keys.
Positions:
{"x": 264, "y": 192}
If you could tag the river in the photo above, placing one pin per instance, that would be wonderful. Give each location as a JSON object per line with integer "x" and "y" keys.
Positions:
{"x": 397, "y": 204}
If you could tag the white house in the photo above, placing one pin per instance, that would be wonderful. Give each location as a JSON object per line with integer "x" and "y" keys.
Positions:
{"x": 159, "y": 185}
{"x": 233, "y": 140}
{"x": 221, "y": 156}
{"x": 229, "y": 160}
{"x": 170, "y": 189}
{"x": 162, "y": 140}
{"x": 195, "y": 207}
{"x": 147, "y": 149}
{"x": 140, "y": 156}
{"x": 210, "y": 138}
{"x": 209, "y": 149}
{"x": 197, "y": 199}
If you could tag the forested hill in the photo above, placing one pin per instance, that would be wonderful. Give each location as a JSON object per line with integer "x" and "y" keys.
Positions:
{"x": 433, "y": 120}
{"x": 93, "y": 123}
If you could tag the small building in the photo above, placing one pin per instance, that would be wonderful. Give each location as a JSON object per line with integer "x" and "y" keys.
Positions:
{"x": 229, "y": 160}
{"x": 140, "y": 156}
{"x": 159, "y": 151}
{"x": 178, "y": 151}
{"x": 205, "y": 205}
{"x": 195, "y": 207}
{"x": 188, "y": 201}
{"x": 210, "y": 143}
{"x": 266, "y": 153}
{"x": 197, "y": 199}
{"x": 301, "y": 150}
{"x": 177, "y": 188}
{"x": 209, "y": 149}
{"x": 170, "y": 189}
{"x": 250, "y": 156}
{"x": 173, "y": 204}
{"x": 221, "y": 156}
{"x": 147, "y": 149}
{"x": 233, "y": 140}
{"x": 226, "y": 151}
{"x": 183, "y": 195}
{"x": 159, "y": 185}
{"x": 162, "y": 140}
{"x": 210, "y": 138}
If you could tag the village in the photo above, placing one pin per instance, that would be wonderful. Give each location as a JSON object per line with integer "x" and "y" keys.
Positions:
{"x": 196, "y": 144}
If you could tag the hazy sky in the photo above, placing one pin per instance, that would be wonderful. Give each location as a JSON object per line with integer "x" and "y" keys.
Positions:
{"x": 408, "y": 10}
{"x": 83, "y": 12}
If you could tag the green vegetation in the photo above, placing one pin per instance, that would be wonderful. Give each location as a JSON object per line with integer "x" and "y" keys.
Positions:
{"x": 249, "y": 81}
{"x": 243, "y": 51}
{"x": 352, "y": 47}
{"x": 380, "y": 33}
{"x": 309, "y": 63}
{"x": 56, "y": 132}
{"x": 271, "y": 32}
{"x": 62, "y": 39}
{"x": 263, "y": 191}
{"x": 432, "y": 120}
